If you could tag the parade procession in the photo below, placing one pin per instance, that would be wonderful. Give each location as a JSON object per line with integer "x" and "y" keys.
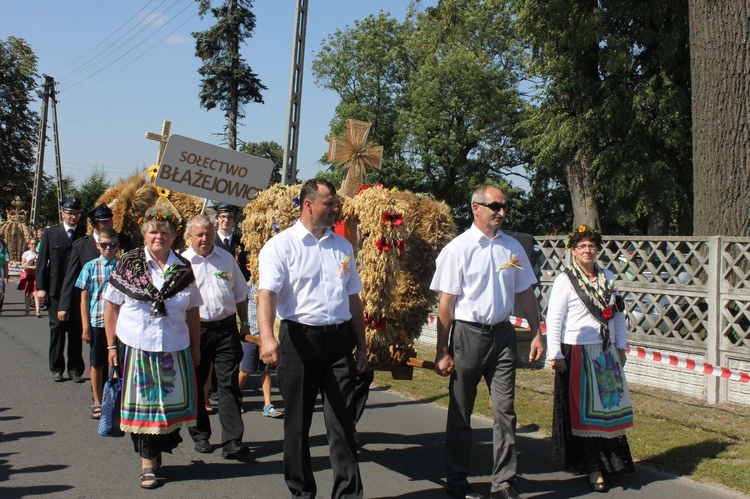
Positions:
{"x": 502, "y": 251}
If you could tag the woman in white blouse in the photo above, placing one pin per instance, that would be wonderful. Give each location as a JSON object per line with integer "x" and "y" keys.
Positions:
{"x": 153, "y": 309}
{"x": 586, "y": 342}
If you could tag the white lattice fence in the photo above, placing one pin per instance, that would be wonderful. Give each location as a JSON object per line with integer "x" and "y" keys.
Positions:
{"x": 684, "y": 295}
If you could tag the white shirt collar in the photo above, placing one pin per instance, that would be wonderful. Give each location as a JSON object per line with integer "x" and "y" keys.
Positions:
{"x": 171, "y": 259}
{"x": 478, "y": 234}
{"x": 301, "y": 231}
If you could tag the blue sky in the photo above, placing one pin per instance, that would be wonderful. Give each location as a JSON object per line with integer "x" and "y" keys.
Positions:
{"x": 119, "y": 76}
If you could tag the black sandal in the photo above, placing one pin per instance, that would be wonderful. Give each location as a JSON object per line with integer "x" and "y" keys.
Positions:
{"x": 148, "y": 478}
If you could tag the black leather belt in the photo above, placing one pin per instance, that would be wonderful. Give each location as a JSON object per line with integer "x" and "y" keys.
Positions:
{"x": 330, "y": 328}
{"x": 484, "y": 327}
{"x": 229, "y": 320}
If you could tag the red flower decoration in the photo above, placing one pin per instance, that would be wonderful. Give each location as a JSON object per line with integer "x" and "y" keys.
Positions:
{"x": 395, "y": 219}
{"x": 401, "y": 245}
{"x": 364, "y": 187}
{"x": 607, "y": 313}
{"x": 382, "y": 244}
{"x": 378, "y": 324}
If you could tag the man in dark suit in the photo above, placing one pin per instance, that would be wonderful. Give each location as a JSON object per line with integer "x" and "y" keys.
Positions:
{"x": 226, "y": 239}
{"x": 84, "y": 250}
{"x": 52, "y": 262}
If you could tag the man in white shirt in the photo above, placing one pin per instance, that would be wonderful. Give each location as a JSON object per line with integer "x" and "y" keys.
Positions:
{"x": 478, "y": 275}
{"x": 224, "y": 293}
{"x": 309, "y": 280}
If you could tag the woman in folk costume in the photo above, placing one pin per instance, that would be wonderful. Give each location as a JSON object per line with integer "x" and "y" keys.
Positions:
{"x": 586, "y": 347}
{"x": 153, "y": 309}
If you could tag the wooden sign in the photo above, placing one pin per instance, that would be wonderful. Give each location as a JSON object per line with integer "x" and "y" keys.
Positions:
{"x": 212, "y": 172}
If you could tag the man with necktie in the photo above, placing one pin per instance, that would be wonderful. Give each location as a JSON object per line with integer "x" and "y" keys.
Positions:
{"x": 52, "y": 262}
{"x": 226, "y": 239}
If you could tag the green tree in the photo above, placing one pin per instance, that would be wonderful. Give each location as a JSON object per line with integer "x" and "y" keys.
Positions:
{"x": 227, "y": 80}
{"x": 614, "y": 107}
{"x": 441, "y": 90}
{"x": 268, "y": 150}
{"x": 365, "y": 65}
{"x": 18, "y": 123}
{"x": 463, "y": 98}
{"x": 92, "y": 188}
{"x": 49, "y": 209}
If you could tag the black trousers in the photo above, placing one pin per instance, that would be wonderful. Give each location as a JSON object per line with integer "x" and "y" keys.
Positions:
{"x": 220, "y": 344}
{"x": 58, "y": 331}
{"x": 315, "y": 362}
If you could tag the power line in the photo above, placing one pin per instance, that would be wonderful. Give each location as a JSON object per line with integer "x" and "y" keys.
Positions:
{"x": 132, "y": 60}
{"x": 108, "y": 37}
{"x": 118, "y": 46}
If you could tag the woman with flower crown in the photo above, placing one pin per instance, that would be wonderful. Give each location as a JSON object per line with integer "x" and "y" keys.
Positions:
{"x": 153, "y": 309}
{"x": 586, "y": 347}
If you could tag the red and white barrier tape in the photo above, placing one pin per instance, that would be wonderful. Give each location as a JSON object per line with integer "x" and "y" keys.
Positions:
{"x": 643, "y": 353}
{"x": 689, "y": 364}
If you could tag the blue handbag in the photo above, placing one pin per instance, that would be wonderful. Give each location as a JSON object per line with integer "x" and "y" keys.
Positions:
{"x": 109, "y": 422}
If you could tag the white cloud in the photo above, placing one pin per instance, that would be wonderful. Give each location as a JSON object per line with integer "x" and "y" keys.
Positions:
{"x": 154, "y": 19}
{"x": 176, "y": 38}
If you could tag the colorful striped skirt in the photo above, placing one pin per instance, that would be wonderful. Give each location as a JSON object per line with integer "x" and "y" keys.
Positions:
{"x": 592, "y": 412}
{"x": 159, "y": 392}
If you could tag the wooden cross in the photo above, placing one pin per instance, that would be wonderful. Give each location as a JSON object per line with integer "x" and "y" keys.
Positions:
{"x": 355, "y": 154}
{"x": 163, "y": 138}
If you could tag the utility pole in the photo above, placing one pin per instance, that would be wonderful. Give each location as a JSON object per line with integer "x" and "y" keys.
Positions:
{"x": 289, "y": 166}
{"x": 36, "y": 196}
{"x": 58, "y": 161}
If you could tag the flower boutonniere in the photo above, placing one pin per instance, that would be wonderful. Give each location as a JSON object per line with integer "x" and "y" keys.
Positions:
{"x": 224, "y": 275}
{"x": 171, "y": 270}
{"x": 344, "y": 266}
{"x": 513, "y": 262}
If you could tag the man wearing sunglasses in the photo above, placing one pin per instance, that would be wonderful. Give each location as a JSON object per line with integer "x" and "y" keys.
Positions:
{"x": 84, "y": 250}
{"x": 479, "y": 275}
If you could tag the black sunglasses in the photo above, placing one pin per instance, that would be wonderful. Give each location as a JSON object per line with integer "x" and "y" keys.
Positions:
{"x": 495, "y": 206}
{"x": 109, "y": 245}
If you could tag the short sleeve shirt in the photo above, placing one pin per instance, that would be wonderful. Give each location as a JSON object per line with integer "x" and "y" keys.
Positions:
{"x": 93, "y": 277}
{"x": 135, "y": 326}
{"x": 478, "y": 271}
{"x": 220, "y": 281}
{"x": 313, "y": 277}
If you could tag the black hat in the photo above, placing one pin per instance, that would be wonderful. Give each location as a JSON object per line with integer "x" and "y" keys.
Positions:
{"x": 71, "y": 204}
{"x": 100, "y": 213}
{"x": 226, "y": 207}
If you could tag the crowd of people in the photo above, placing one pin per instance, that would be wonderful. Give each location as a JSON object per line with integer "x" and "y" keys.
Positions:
{"x": 168, "y": 322}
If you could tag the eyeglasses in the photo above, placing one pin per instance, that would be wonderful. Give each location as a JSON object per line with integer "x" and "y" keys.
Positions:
{"x": 72, "y": 213}
{"x": 587, "y": 247}
{"x": 108, "y": 245}
{"x": 225, "y": 217}
{"x": 494, "y": 206}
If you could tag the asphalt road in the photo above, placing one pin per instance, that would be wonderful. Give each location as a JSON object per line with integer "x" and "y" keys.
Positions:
{"x": 49, "y": 445}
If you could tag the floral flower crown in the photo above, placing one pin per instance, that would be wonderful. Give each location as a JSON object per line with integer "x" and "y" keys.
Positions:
{"x": 580, "y": 230}
{"x": 161, "y": 216}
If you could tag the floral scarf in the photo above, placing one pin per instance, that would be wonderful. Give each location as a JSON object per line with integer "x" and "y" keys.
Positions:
{"x": 131, "y": 277}
{"x": 597, "y": 299}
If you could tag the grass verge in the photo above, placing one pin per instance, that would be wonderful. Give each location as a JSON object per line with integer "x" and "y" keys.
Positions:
{"x": 673, "y": 432}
